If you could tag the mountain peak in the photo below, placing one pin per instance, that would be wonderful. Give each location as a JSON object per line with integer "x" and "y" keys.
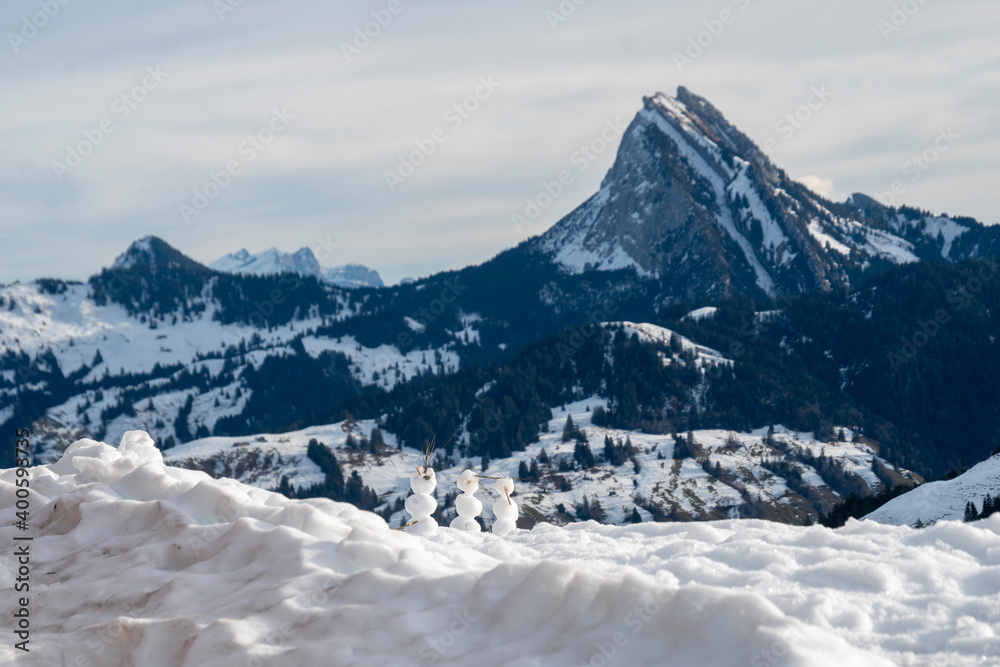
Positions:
{"x": 155, "y": 253}
{"x": 693, "y": 204}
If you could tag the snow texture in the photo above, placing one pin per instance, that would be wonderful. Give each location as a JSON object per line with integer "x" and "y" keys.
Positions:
{"x": 138, "y": 563}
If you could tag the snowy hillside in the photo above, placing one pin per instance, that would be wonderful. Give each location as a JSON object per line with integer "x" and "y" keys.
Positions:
{"x": 135, "y": 563}
{"x": 648, "y": 483}
{"x": 302, "y": 262}
{"x": 75, "y": 336}
{"x": 944, "y": 500}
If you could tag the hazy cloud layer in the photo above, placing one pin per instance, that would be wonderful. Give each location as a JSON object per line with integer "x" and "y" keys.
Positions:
{"x": 201, "y": 76}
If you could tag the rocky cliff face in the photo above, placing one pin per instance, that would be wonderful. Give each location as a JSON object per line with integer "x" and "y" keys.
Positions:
{"x": 693, "y": 204}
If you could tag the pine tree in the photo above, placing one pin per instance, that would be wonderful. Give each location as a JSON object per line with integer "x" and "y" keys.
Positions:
{"x": 583, "y": 455}
{"x": 569, "y": 430}
{"x": 970, "y": 512}
{"x": 989, "y": 506}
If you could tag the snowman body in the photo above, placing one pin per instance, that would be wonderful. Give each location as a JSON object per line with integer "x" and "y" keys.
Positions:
{"x": 505, "y": 509}
{"x": 467, "y": 505}
{"x": 422, "y": 504}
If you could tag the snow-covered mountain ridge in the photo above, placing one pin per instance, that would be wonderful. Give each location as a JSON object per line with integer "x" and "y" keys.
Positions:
{"x": 191, "y": 570}
{"x": 302, "y": 262}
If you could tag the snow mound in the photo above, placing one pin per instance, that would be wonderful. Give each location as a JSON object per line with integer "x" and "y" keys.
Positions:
{"x": 944, "y": 500}
{"x": 699, "y": 314}
{"x": 652, "y": 333}
{"x": 137, "y": 563}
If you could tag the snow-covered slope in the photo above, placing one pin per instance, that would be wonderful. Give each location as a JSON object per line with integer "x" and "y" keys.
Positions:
{"x": 651, "y": 482}
{"x": 135, "y": 563}
{"x": 704, "y": 356}
{"x": 944, "y": 500}
{"x": 302, "y": 262}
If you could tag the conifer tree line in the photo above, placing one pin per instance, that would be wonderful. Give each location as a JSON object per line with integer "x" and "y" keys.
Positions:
{"x": 990, "y": 505}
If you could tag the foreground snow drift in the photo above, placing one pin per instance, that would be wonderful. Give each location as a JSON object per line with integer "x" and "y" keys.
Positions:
{"x": 138, "y": 563}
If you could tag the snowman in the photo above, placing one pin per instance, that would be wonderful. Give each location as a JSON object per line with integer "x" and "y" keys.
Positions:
{"x": 422, "y": 504}
{"x": 504, "y": 508}
{"x": 467, "y": 504}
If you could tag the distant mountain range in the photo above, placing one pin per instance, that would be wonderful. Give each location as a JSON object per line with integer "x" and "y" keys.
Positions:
{"x": 824, "y": 315}
{"x": 302, "y": 262}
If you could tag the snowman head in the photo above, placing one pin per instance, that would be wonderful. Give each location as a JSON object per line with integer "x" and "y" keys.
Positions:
{"x": 468, "y": 482}
{"x": 423, "y": 480}
{"x": 504, "y": 487}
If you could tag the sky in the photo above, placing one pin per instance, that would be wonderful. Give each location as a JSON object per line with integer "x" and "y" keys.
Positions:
{"x": 226, "y": 124}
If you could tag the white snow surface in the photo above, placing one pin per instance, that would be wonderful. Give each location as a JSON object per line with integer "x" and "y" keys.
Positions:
{"x": 944, "y": 500}
{"x": 138, "y": 563}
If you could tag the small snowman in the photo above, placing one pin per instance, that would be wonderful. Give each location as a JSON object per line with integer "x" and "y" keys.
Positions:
{"x": 422, "y": 504}
{"x": 467, "y": 504}
{"x": 504, "y": 508}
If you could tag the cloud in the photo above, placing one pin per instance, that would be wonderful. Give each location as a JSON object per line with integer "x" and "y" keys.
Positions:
{"x": 325, "y": 174}
{"x": 820, "y": 185}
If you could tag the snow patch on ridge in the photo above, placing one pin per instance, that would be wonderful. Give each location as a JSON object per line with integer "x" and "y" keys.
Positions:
{"x": 571, "y": 250}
